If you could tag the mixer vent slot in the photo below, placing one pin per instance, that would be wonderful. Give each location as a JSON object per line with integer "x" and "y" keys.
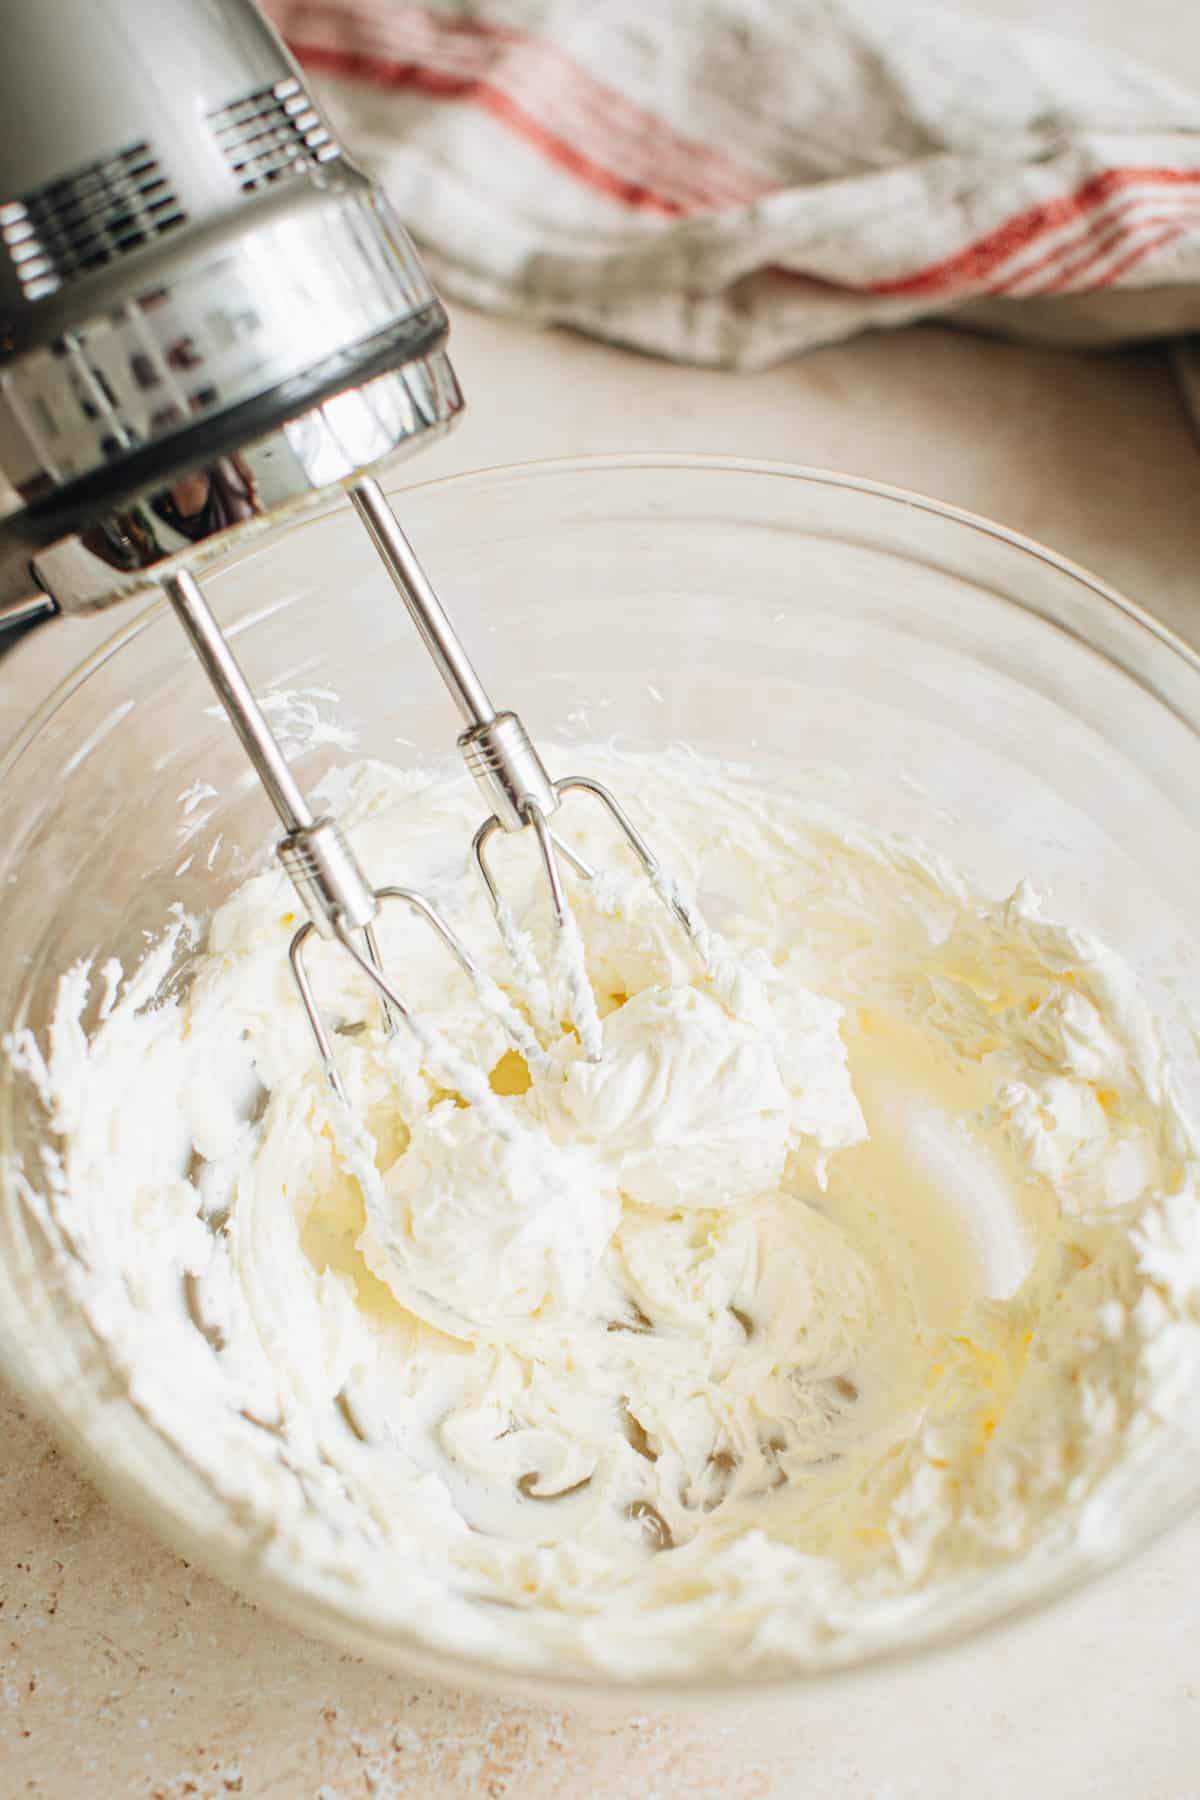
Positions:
{"x": 273, "y": 134}
{"x": 85, "y": 220}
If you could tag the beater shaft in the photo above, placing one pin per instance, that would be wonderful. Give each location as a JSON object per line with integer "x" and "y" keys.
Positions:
{"x": 425, "y": 609}
{"x": 496, "y": 747}
{"x": 237, "y": 697}
{"x": 314, "y": 852}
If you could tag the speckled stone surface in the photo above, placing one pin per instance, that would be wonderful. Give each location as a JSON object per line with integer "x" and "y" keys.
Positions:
{"x": 124, "y": 1671}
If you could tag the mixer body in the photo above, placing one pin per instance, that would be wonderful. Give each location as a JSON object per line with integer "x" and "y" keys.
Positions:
{"x": 210, "y": 319}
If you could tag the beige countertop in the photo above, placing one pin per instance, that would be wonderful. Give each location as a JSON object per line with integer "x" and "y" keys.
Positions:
{"x": 123, "y": 1671}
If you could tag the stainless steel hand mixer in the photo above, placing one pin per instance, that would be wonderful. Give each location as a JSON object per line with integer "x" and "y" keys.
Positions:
{"x": 211, "y": 322}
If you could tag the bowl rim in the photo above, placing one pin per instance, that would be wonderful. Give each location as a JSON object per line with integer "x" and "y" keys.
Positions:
{"x": 153, "y": 606}
{"x": 309, "y": 1611}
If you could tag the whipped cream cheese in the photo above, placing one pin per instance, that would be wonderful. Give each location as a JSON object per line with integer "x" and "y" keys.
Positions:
{"x": 850, "y": 1273}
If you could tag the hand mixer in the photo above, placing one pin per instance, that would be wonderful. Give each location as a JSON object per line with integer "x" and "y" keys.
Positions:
{"x": 211, "y": 322}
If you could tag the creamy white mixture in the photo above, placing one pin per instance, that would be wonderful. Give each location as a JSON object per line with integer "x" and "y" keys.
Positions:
{"x": 863, "y": 1256}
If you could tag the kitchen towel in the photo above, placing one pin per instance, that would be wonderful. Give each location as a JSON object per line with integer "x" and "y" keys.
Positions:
{"x": 732, "y": 181}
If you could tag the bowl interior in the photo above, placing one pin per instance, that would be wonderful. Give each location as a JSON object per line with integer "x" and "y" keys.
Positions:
{"x": 918, "y": 671}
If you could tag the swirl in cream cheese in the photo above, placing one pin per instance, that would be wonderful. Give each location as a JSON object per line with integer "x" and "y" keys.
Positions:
{"x": 864, "y": 1259}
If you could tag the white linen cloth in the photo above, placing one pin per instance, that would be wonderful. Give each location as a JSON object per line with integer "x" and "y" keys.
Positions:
{"x": 732, "y": 181}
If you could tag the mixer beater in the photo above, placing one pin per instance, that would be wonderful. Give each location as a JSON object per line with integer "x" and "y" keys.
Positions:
{"x": 511, "y": 777}
{"x": 340, "y": 901}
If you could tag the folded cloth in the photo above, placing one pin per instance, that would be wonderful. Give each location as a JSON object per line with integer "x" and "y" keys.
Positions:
{"x": 731, "y": 181}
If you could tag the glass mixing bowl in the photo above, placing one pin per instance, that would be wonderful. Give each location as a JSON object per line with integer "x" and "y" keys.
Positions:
{"x": 924, "y": 671}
